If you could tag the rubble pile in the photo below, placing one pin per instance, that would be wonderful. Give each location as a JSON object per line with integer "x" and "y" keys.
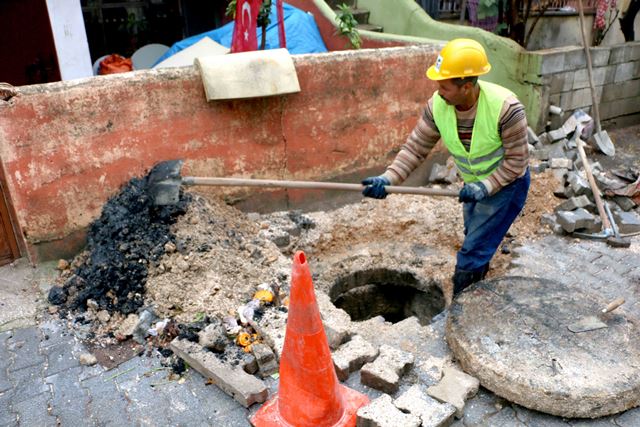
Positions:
{"x": 577, "y": 212}
{"x": 130, "y": 236}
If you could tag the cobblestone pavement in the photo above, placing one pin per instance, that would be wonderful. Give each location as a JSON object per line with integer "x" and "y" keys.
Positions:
{"x": 43, "y": 384}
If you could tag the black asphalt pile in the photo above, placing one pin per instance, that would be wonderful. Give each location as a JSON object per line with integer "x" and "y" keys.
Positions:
{"x": 129, "y": 236}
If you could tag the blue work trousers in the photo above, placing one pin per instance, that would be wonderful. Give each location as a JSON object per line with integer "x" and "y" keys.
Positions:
{"x": 487, "y": 221}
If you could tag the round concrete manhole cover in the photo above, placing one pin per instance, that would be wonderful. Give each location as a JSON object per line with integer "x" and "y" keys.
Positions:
{"x": 513, "y": 334}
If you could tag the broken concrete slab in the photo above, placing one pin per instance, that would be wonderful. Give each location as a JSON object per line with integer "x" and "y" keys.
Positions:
{"x": 456, "y": 387}
{"x": 560, "y": 174}
{"x": 244, "y": 388}
{"x": 431, "y": 412}
{"x": 336, "y": 321}
{"x": 213, "y": 337}
{"x": 266, "y": 359}
{"x": 385, "y": 372}
{"x": 271, "y": 327}
{"x": 381, "y": 412}
{"x": 574, "y": 203}
{"x": 575, "y": 220}
{"x": 352, "y": 355}
{"x": 551, "y": 221}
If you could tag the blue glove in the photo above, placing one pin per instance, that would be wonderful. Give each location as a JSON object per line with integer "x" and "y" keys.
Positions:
{"x": 375, "y": 187}
{"x": 473, "y": 192}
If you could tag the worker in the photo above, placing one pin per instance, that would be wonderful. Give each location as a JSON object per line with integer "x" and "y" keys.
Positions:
{"x": 484, "y": 127}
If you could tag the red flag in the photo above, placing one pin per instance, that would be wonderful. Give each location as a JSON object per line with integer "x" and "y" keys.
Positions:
{"x": 244, "y": 31}
{"x": 281, "y": 35}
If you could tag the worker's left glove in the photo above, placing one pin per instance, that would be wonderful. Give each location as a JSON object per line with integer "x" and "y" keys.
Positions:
{"x": 375, "y": 187}
{"x": 473, "y": 192}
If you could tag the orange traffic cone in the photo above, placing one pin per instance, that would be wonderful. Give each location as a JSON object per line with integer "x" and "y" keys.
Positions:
{"x": 309, "y": 394}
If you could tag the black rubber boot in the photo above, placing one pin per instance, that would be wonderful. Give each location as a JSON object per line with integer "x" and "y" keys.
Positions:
{"x": 463, "y": 279}
{"x": 485, "y": 270}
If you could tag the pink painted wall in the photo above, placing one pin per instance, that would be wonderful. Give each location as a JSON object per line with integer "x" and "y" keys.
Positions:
{"x": 67, "y": 147}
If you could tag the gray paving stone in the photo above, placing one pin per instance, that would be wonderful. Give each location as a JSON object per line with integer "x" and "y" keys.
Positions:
{"x": 479, "y": 408}
{"x": 59, "y": 358}
{"x": 7, "y": 416}
{"x": 630, "y": 418}
{"x": 538, "y": 419}
{"x": 505, "y": 418}
{"x": 69, "y": 402}
{"x": 214, "y": 402}
{"x": 55, "y": 332}
{"x": 28, "y": 382}
{"x": 235, "y": 418}
{"x": 24, "y": 344}
{"x": 107, "y": 405}
{"x": 5, "y": 384}
{"x": 34, "y": 411}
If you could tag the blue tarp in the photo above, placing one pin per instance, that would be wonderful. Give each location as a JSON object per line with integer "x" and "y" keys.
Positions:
{"x": 300, "y": 28}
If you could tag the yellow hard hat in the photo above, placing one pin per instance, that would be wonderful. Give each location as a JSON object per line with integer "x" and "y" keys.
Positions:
{"x": 458, "y": 59}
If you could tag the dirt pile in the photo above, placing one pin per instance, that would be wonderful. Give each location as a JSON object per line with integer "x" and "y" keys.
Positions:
{"x": 129, "y": 237}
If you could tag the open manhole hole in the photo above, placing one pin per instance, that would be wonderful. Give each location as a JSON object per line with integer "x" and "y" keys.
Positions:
{"x": 392, "y": 294}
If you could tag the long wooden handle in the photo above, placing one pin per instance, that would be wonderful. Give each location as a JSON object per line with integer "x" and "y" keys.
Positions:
{"x": 587, "y": 52}
{"x": 613, "y": 305}
{"x": 311, "y": 185}
{"x": 606, "y": 225}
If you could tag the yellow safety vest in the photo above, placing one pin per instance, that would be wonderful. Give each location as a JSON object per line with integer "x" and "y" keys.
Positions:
{"x": 486, "y": 151}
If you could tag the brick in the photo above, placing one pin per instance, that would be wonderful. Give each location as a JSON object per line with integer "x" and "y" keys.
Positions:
{"x": 624, "y": 72}
{"x": 431, "y": 412}
{"x": 579, "y": 185}
{"x": 541, "y": 154}
{"x": 456, "y": 387}
{"x": 385, "y": 372}
{"x": 560, "y": 163}
{"x": 575, "y": 220}
{"x": 352, "y": 355}
{"x": 627, "y": 222}
{"x": 557, "y": 134}
{"x": 25, "y": 344}
{"x": 625, "y": 203}
{"x": 245, "y": 388}
{"x": 574, "y": 203}
{"x": 381, "y": 412}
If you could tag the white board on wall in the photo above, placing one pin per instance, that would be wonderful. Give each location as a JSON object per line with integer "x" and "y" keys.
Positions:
{"x": 70, "y": 38}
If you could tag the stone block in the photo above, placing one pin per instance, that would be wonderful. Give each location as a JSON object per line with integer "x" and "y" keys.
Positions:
{"x": 337, "y": 323}
{"x": 579, "y": 185}
{"x": 575, "y": 220}
{"x": 625, "y": 203}
{"x": 541, "y": 154}
{"x": 271, "y": 327}
{"x": 431, "y": 412}
{"x": 624, "y": 72}
{"x": 456, "y": 387}
{"x": 627, "y": 222}
{"x": 539, "y": 168}
{"x": 574, "y": 203}
{"x": 561, "y": 176}
{"x": 557, "y": 149}
{"x": 385, "y": 372}
{"x": 213, "y": 337}
{"x": 244, "y": 388}
{"x": 561, "y": 163}
{"x": 352, "y": 355}
{"x": 551, "y": 221}
{"x": 381, "y": 412}
{"x": 266, "y": 359}
{"x": 532, "y": 137}
{"x": 557, "y": 134}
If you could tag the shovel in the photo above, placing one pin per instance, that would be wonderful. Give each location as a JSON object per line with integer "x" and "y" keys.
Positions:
{"x": 592, "y": 323}
{"x": 601, "y": 136}
{"x": 164, "y": 184}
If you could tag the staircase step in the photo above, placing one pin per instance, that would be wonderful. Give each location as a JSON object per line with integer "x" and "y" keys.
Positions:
{"x": 370, "y": 27}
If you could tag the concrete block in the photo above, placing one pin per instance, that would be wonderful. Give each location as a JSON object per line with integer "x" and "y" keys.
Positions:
{"x": 561, "y": 163}
{"x": 627, "y": 222}
{"x": 352, "y": 355}
{"x": 213, "y": 337}
{"x": 541, "y": 154}
{"x": 624, "y": 72}
{"x": 431, "y": 412}
{"x": 561, "y": 176}
{"x": 579, "y": 185}
{"x": 539, "y": 168}
{"x": 575, "y": 58}
{"x": 574, "y": 203}
{"x": 581, "y": 78}
{"x": 625, "y": 203}
{"x": 532, "y": 137}
{"x": 337, "y": 322}
{"x": 620, "y": 53}
{"x": 557, "y": 149}
{"x": 552, "y": 61}
{"x": 244, "y": 388}
{"x": 456, "y": 387}
{"x": 634, "y": 54}
{"x": 271, "y": 327}
{"x": 381, "y": 412}
{"x": 599, "y": 56}
{"x": 557, "y": 134}
{"x": 575, "y": 220}
{"x": 550, "y": 220}
{"x": 266, "y": 359}
{"x": 385, "y": 372}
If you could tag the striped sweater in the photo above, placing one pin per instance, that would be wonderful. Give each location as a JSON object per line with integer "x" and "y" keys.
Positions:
{"x": 512, "y": 130}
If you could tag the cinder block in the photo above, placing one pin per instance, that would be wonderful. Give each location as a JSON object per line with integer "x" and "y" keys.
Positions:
{"x": 581, "y": 78}
{"x": 385, "y": 372}
{"x": 624, "y": 72}
{"x": 552, "y": 61}
{"x": 381, "y": 412}
{"x": 634, "y": 54}
{"x": 336, "y": 321}
{"x": 541, "y": 154}
{"x": 619, "y": 54}
{"x": 430, "y": 411}
{"x": 579, "y": 185}
{"x": 625, "y": 203}
{"x": 574, "y": 58}
{"x": 561, "y": 163}
{"x": 557, "y": 134}
{"x": 600, "y": 56}
{"x": 352, "y": 355}
{"x": 575, "y": 220}
{"x": 627, "y": 222}
{"x": 574, "y": 203}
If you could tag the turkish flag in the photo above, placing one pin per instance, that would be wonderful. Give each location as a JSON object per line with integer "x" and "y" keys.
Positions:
{"x": 244, "y": 31}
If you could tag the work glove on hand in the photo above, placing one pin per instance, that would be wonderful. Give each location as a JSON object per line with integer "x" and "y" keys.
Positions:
{"x": 473, "y": 192}
{"x": 375, "y": 187}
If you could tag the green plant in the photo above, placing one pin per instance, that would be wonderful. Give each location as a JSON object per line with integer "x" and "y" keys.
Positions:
{"x": 347, "y": 26}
